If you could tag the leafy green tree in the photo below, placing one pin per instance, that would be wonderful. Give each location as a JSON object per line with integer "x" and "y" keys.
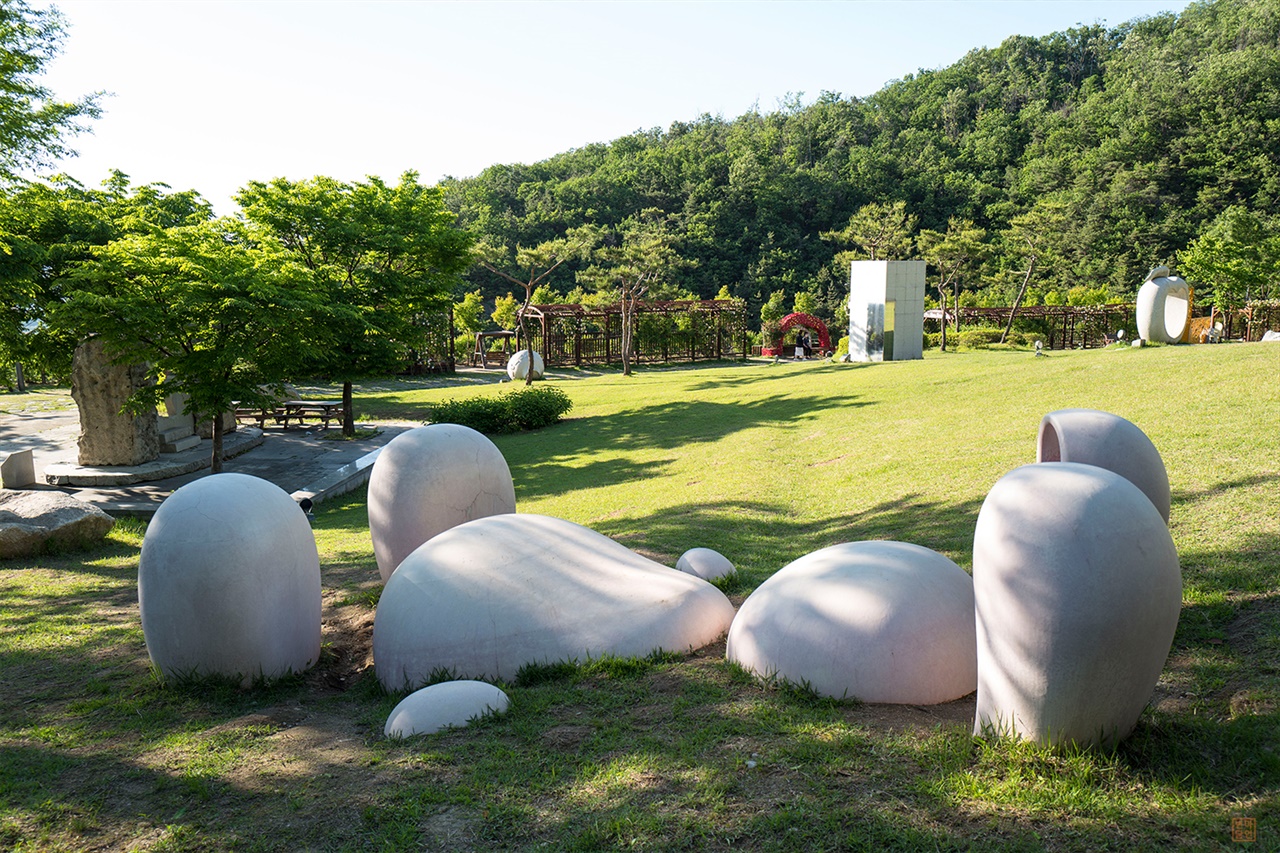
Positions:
{"x": 212, "y": 309}
{"x": 951, "y": 254}
{"x": 877, "y": 231}
{"x": 33, "y": 123}
{"x": 805, "y": 303}
{"x": 505, "y": 311}
{"x": 1034, "y": 236}
{"x": 385, "y": 257}
{"x": 771, "y": 314}
{"x": 1238, "y": 257}
{"x": 467, "y": 313}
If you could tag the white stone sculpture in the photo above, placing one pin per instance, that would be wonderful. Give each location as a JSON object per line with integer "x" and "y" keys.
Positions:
{"x": 429, "y": 479}
{"x": 1077, "y": 593}
{"x": 482, "y": 599}
{"x": 704, "y": 563}
{"x": 29, "y": 521}
{"x": 876, "y": 621}
{"x": 1108, "y": 441}
{"x": 886, "y": 310}
{"x": 229, "y": 581}
{"x": 518, "y": 366}
{"x": 450, "y": 703}
{"x": 1164, "y": 303}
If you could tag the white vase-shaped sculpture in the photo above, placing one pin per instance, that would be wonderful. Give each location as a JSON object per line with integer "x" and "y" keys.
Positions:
{"x": 875, "y": 621}
{"x": 518, "y": 366}
{"x": 1091, "y": 437}
{"x": 1077, "y": 593}
{"x": 229, "y": 581}
{"x": 1163, "y": 306}
{"x": 428, "y": 480}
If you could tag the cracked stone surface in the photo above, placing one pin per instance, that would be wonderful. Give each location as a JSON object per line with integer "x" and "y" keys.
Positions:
{"x": 428, "y": 480}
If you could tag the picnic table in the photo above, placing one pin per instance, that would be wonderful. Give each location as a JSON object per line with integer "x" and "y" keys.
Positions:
{"x": 287, "y": 410}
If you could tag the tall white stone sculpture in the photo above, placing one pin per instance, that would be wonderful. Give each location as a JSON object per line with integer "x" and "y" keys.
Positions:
{"x": 487, "y": 597}
{"x": 429, "y": 479}
{"x": 1164, "y": 305}
{"x": 1109, "y": 441}
{"x": 518, "y": 366}
{"x": 229, "y": 581}
{"x": 886, "y": 310}
{"x": 876, "y": 621}
{"x": 1077, "y": 593}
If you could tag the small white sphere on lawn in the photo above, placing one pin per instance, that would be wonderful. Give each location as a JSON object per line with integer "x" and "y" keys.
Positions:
{"x": 704, "y": 563}
{"x": 450, "y": 703}
{"x": 518, "y": 366}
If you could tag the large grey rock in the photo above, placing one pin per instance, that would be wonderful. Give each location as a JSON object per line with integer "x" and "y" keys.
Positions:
{"x": 483, "y": 599}
{"x": 428, "y": 480}
{"x": 229, "y": 581}
{"x": 440, "y": 706}
{"x": 31, "y": 521}
{"x": 876, "y": 621}
{"x": 100, "y": 389}
{"x": 18, "y": 469}
{"x": 1077, "y": 593}
{"x": 1091, "y": 437}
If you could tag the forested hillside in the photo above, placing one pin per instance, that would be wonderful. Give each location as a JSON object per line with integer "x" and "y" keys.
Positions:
{"x": 1112, "y": 148}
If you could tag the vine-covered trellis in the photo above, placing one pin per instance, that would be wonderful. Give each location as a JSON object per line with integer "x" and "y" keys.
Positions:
{"x": 671, "y": 330}
{"x": 1063, "y": 326}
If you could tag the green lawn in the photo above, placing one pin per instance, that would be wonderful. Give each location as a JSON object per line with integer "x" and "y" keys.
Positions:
{"x": 764, "y": 463}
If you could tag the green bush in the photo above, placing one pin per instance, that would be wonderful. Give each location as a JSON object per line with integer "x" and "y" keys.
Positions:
{"x": 515, "y": 411}
{"x": 842, "y": 348}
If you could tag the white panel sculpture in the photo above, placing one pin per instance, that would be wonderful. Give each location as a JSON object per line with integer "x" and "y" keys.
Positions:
{"x": 876, "y": 621}
{"x": 1164, "y": 303}
{"x": 518, "y": 366}
{"x": 229, "y": 581}
{"x": 886, "y": 310}
{"x": 482, "y": 599}
{"x": 450, "y": 703}
{"x": 1109, "y": 441}
{"x": 1077, "y": 593}
{"x": 704, "y": 563}
{"x": 429, "y": 479}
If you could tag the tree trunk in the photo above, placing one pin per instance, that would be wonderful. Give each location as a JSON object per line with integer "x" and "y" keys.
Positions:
{"x": 1017, "y": 303}
{"x": 22, "y": 381}
{"x": 626, "y": 338}
{"x": 348, "y": 412}
{"x": 215, "y": 463}
{"x": 942, "y": 292}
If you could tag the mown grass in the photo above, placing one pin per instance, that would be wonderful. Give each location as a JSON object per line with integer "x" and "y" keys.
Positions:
{"x": 764, "y": 463}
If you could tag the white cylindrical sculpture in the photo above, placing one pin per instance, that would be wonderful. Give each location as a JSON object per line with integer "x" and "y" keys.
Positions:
{"x": 428, "y": 480}
{"x": 1091, "y": 437}
{"x": 1163, "y": 305}
{"x": 450, "y": 703}
{"x": 229, "y": 581}
{"x": 518, "y": 366}
{"x": 1077, "y": 593}
{"x": 876, "y": 621}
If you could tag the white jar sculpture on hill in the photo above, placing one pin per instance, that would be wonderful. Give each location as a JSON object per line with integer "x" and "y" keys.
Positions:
{"x": 875, "y": 621}
{"x": 1163, "y": 307}
{"x": 1077, "y": 593}
{"x": 518, "y": 366}
{"x": 1108, "y": 441}
{"x": 428, "y": 480}
{"x": 229, "y": 582}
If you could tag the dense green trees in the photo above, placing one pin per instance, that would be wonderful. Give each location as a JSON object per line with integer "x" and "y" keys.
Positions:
{"x": 1141, "y": 135}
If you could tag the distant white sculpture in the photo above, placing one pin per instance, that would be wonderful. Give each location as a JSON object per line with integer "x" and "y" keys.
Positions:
{"x": 429, "y": 479}
{"x": 1108, "y": 441}
{"x": 229, "y": 581}
{"x": 487, "y": 597}
{"x": 1164, "y": 303}
{"x": 704, "y": 563}
{"x": 876, "y": 621}
{"x": 886, "y": 310}
{"x": 450, "y": 703}
{"x": 518, "y": 366}
{"x": 1077, "y": 593}
{"x": 1270, "y": 335}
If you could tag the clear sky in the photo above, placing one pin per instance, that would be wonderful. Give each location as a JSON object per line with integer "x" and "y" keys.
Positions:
{"x": 210, "y": 95}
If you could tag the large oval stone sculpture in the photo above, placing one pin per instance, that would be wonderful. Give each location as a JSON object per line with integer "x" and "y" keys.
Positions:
{"x": 487, "y": 597}
{"x": 876, "y": 621}
{"x": 1163, "y": 307}
{"x": 1091, "y": 437}
{"x": 429, "y": 479}
{"x": 229, "y": 581}
{"x": 518, "y": 366}
{"x": 1077, "y": 593}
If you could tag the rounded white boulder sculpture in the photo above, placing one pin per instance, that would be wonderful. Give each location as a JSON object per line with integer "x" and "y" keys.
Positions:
{"x": 229, "y": 581}
{"x": 1164, "y": 302}
{"x": 450, "y": 703}
{"x": 875, "y": 621}
{"x": 1091, "y": 437}
{"x": 704, "y": 563}
{"x": 1077, "y": 593}
{"x": 518, "y": 366}
{"x": 487, "y": 597}
{"x": 429, "y": 479}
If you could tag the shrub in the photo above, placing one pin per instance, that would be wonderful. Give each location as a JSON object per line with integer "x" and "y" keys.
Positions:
{"x": 526, "y": 409}
{"x": 842, "y": 348}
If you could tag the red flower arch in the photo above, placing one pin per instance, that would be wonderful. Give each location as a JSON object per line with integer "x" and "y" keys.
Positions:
{"x": 810, "y": 322}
